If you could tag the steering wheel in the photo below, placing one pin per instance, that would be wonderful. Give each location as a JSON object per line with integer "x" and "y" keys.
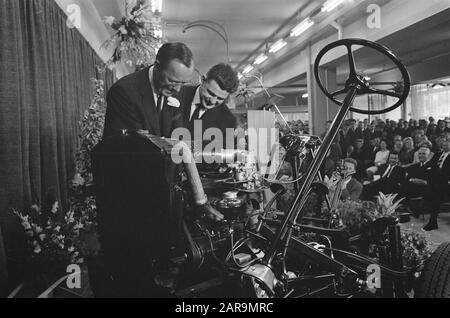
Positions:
{"x": 358, "y": 81}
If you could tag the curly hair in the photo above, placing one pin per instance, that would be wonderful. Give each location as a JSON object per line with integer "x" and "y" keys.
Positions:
{"x": 225, "y": 76}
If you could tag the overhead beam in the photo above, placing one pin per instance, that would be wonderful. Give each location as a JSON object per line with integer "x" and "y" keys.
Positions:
{"x": 393, "y": 19}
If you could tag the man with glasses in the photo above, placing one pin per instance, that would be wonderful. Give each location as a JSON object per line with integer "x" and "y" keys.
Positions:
{"x": 205, "y": 106}
{"x": 146, "y": 100}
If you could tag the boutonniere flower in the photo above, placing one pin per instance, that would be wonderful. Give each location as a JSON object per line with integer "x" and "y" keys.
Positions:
{"x": 172, "y": 101}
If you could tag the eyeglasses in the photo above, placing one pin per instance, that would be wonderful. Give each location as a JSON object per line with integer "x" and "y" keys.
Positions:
{"x": 172, "y": 83}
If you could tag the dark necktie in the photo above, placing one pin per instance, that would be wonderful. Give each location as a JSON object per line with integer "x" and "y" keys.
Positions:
{"x": 159, "y": 103}
{"x": 196, "y": 114}
{"x": 441, "y": 160}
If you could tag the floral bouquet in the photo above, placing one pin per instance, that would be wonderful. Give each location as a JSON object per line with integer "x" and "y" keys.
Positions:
{"x": 136, "y": 38}
{"x": 416, "y": 250}
{"x": 53, "y": 239}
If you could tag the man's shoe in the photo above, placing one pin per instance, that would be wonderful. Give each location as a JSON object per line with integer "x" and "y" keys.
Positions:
{"x": 430, "y": 226}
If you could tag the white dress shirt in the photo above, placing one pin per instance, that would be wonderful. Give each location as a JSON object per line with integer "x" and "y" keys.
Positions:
{"x": 196, "y": 101}
{"x": 442, "y": 159}
{"x": 155, "y": 93}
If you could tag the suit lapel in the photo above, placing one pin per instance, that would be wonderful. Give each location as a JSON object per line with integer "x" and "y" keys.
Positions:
{"x": 148, "y": 102}
{"x": 187, "y": 97}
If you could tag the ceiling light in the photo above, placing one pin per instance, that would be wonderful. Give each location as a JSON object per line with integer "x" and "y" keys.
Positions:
{"x": 302, "y": 27}
{"x": 247, "y": 69}
{"x": 157, "y": 6}
{"x": 278, "y": 45}
{"x": 260, "y": 59}
{"x": 305, "y": 95}
{"x": 331, "y": 4}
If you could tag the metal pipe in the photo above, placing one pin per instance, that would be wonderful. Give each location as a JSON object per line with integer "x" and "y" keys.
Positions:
{"x": 312, "y": 171}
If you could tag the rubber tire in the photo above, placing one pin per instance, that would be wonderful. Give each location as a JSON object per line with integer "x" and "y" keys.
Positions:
{"x": 434, "y": 281}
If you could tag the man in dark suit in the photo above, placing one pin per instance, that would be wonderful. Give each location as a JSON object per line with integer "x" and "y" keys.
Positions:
{"x": 204, "y": 107}
{"x": 145, "y": 100}
{"x": 141, "y": 101}
{"x": 419, "y": 176}
{"x": 440, "y": 186}
{"x": 391, "y": 176}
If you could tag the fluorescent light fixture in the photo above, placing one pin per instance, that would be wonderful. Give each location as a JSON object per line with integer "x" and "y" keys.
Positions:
{"x": 305, "y": 95}
{"x": 260, "y": 59}
{"x": 331, "y": 4}
{"x": 247, "y": 69}
{"x": 278, "y": 45}
{"x": 157, "y": 6}
{"x": 302, "y": 27}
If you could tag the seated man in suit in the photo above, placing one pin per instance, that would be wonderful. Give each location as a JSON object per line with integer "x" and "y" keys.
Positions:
{"x": 145, "y": 100}
{"x": 419, "y": 176}
{"x": 439, "y": 186}
{"x": 204, "y": 106}
{"x": 353, "y": 188}
{"x": 391, "y": 176}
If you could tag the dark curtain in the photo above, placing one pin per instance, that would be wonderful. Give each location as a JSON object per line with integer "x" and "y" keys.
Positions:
{"x": 45, "y": 86}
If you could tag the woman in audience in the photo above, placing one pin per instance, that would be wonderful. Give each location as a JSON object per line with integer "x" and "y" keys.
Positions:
{"x": 381, "y": 157}
{"x": 406, "y": 156}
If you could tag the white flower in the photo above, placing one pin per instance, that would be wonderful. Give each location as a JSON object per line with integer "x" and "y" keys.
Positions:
{"x": 26, "y": 225}
{"x": 71, "y": 249}
{"x": 55, "y": 207}
{"x": 42, "y": 237}
{"x": 172, "y": 101}
{"x": 37, "y": 248}
{"x": 109, "y": 20}
{"x": 77, "y": 180}
{"x": 123, "y": 30}
{"x": 57, "y": 229}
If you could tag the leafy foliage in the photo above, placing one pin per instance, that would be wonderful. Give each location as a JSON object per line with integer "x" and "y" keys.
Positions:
{"x": 136, "y": 38}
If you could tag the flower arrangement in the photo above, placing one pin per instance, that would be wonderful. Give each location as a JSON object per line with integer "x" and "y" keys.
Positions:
{"x": 82, "y": 201}
{"x": 137, "y": 37}
{"x": 416, "y": 250}
{"x": 91, "y": 130}
{"x": 53, "y": 239}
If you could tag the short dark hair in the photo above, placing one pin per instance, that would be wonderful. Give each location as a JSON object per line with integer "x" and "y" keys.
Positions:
{"x": 225, "y": 76}
{"x": 174, "y": 51}
{"x": 352, "y": 161}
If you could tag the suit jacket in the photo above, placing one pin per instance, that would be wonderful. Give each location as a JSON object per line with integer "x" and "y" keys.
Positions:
{"x": 218, "y": 117}
{"x": 397, "y": 174}
{"x": 352, "y": 191}
{"x": 426, "y": 172}
{"x": 131, "y": 105}
{"x": 442, "y": 177}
